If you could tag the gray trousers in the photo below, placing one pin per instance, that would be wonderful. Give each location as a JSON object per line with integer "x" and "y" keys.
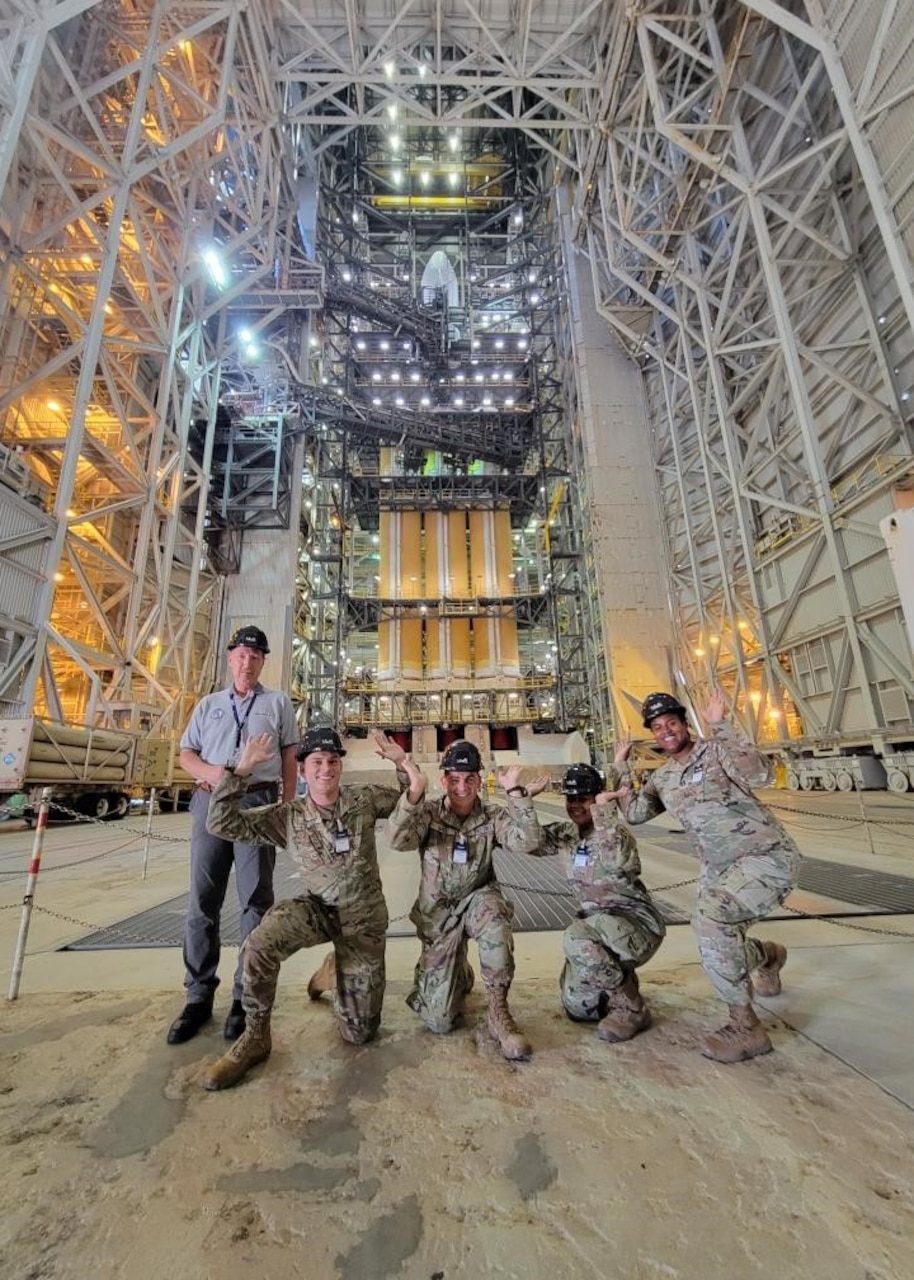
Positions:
{"x": 211, "y": 860}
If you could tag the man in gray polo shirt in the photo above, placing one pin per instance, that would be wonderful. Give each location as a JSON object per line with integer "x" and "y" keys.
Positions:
{"x": 220, "y": 725}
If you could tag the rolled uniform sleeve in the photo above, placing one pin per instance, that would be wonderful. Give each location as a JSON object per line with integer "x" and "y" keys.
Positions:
{"x": 614, "y": 843}
{"x": 639, "y": 806}
{"x": 555, "y": 838}
{"x": 741, "y": 762}
{"x": 408, "y": 824}
{"x": 517, "y": 828}
{"x": 265, "y": 824}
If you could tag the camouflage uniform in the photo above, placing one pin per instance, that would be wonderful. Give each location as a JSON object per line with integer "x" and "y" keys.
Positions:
{"x": 342, "y": 903}
{"x": 748, "y": 861}
{"x": 457, "y": 900}
{"x": 619, "y": 928}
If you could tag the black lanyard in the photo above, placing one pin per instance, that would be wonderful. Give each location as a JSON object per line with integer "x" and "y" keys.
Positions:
{"x": 247, "y": 715}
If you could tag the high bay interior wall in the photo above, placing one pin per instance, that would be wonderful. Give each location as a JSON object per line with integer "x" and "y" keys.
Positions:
{"x": 738, "y": 178}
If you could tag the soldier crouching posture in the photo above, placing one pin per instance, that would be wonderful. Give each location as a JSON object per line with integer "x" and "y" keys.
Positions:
{"x": 619, "y": 928}
{"x": 331, "y": 833}
{"x": 748, "y": 861}
{"x": 459, "y": 896}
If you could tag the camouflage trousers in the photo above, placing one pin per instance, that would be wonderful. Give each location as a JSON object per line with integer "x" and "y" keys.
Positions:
{"x": 307, "y": 922}
{"x": 600, "y": 952}
{"x": 728, "y": 903}
{"x": 443, "y": 976}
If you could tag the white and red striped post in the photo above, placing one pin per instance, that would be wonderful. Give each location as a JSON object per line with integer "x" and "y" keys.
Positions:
{"x": 44, "y": 808}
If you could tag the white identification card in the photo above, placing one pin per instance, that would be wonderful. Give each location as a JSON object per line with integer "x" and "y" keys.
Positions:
{"x": 581, "y": 856}
{"x": 341, "y": 842}
{"x": 460, "y": 850}
{"x": 698, "y": 775}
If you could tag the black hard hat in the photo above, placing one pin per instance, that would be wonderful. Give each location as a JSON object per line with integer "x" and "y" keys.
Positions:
{"x": 461, "y": 757}
{"x": 321, "y": 739}
{"x": 251, "y": 638}
{"x": 660, "y": 704}
{"x": 581, "y": 780}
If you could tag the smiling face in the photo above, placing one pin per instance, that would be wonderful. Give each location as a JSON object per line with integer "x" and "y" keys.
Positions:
{"x": 671, "y": 734}
{"x": 461, "y": 790}
{"x": 245, "y": 665}
{"x": 578, "y": 809}
{"x": 321, "y": 770}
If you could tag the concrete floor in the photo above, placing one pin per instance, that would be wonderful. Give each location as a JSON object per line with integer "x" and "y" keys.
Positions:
{"x": 432, "y": 1158}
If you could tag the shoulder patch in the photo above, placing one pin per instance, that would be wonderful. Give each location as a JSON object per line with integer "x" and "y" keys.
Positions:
{"x": 216, "y": 714}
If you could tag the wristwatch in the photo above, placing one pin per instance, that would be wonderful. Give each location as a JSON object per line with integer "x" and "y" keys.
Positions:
{"x": 518, "y": 791}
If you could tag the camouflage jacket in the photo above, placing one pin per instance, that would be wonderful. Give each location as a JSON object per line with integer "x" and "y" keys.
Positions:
{"x": 433, "y": 828}
{"x": 710, "y": 795}
{"x": 349, "y": 882}
{"x": 610, "y": 878}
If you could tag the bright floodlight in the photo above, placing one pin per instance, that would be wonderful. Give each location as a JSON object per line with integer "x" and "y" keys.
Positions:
{"x": 216, "y": 267}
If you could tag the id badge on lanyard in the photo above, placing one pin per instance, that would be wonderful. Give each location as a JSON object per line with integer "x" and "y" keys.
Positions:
{"x": 460, "y": 850}
{"x": 581, "y": 855}
{"x": 341, "y": 841}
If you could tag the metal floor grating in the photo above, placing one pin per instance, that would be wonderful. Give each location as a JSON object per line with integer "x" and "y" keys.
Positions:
{"x": 536, "y": 886}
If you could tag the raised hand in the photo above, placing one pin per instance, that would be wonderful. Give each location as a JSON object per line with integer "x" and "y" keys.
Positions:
{"x": 605, "y": 797}
{"x": 538, "y": 784}
{"x": 716, "y": 709}
{"x": 623, "y": 750}
{"x": 257, "y": 750}
{"x": 509, "y": 777}
{"x": 387, "y": 749}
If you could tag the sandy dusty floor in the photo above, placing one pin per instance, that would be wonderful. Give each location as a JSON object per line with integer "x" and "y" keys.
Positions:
{"x": 433, "y": 1159}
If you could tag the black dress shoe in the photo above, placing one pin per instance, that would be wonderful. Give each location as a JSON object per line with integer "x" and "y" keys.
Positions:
{"x": 189, "y": 1021}
{"x": 235, "y": 1023}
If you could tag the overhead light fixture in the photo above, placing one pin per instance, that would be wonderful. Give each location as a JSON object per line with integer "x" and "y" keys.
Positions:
{"x": 389, "y": 69}
{"x": 454, "y": 141}
{"x": 216, "y": 267}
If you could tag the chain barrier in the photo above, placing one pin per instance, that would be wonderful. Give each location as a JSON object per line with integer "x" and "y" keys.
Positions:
{"x": 87, "y": 820}
{"x": 840, "y": 817}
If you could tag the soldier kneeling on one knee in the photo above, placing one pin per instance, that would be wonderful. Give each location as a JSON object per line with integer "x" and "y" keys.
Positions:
{"x": 618, "y": 927}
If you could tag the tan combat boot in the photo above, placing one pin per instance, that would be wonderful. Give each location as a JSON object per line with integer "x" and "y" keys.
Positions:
{"x": 743, "y": 1037}
{"x": 766, "y": 979}
{"x": 323, "y": 979}
{"x": 253, "y": 1047}
{"x": 504, "y": 1029}
{"x": 626, "y": 1015}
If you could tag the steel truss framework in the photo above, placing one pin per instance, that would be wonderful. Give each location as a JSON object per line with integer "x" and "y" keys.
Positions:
{"x": 747, "y": 213}
{"x": 132, "y": 139}
{"x": 743, "y": 181}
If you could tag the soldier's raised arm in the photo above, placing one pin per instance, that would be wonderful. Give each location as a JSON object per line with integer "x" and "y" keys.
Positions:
{"x": 266, "y": 824}
{"x": 740, "y": 759}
